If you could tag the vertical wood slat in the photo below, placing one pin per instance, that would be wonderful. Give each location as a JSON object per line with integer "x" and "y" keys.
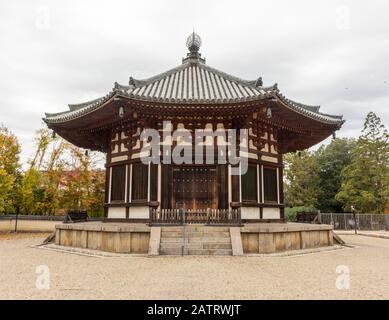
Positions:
{"x": 209, "y": 216}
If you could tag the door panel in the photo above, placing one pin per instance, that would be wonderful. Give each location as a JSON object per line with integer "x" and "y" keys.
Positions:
{"x": 194, "y": 187}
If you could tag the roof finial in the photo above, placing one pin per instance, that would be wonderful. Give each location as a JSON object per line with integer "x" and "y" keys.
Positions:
{"x": 193, "y": 42}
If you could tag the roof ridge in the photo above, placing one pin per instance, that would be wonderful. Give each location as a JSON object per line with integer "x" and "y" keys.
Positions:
{"x": 146, "y": 81}
{"x": 76, "y": 106}
{"x": 159, "y": 76}
{"x": 230, "y": 77}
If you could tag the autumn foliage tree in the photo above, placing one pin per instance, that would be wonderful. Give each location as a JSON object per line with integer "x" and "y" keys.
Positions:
{"x": 9, "y": 169}
{"x": 61, "y": 177}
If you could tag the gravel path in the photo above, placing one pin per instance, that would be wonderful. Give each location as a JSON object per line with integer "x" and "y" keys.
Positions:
{"x": 310, "y": 276}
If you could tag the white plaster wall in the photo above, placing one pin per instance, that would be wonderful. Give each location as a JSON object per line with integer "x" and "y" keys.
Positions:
{"x": 121, "y": 158}
{"x": 117, "y": 213}
{"x": 139, "y": 212}
{"x": 116, "y": 150}
{"x": 271, "y": 213}
{"x": 269, "y": 159}
{"x": 250, "y": 213}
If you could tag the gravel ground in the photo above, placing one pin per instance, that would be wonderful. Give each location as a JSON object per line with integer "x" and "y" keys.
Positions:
{"x": 22, "y": 235}
{"x": 309, "y": 276}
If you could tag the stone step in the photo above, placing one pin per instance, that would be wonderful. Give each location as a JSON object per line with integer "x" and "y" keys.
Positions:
{"x": 179, "y": 246}
{"x": 208, "y": 234}
{"x": 195, "y": 228}
{"x": 212, "y": 252}
{"x": 207, "y": 246}
{"x": 197, "y": 234}
{"x": 204, "y": 246}
{"x": 196, "y": 240}
{"x": 170, "y": 251}
{"x": 172, "y": 234}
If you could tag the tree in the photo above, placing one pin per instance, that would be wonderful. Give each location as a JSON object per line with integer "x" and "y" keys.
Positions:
{"x": 83, "y": 183}
{"x": 61, "y": 177}
{"x": 40, "y": 193}
{"x": 301, "y": 171}
{"x": 32, "y": 192}
{"x": 332, "y": 159}
{"x": 6, "y": 184}
{"x": 9, "y": 166}
{"x": 365, "y": 181}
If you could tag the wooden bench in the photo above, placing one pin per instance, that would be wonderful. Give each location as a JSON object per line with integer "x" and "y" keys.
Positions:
{"x": 305, "y": 217}
{"x": 76, "y": 216}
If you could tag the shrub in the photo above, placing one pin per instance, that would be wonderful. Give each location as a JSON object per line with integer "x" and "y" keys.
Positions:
{"x": 291, "y": 212}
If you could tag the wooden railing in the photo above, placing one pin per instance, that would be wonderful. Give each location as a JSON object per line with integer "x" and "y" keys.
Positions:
{"x": 192, "y": 216}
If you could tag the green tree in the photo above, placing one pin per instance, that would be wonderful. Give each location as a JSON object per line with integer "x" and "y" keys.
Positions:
{"x": 32, "y": 192}
{"x": 40, "y": 192}
{"x": 332, "y": 159}
{"x": 365, "y": 181}
{"x": 6, "y": 185}
{"x": 9, "y": 166}
{"x": 302, "y": 179}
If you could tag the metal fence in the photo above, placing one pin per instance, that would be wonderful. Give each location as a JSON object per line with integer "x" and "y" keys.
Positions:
{"x": 365, "y": 221}
{"x": 40, "y": 217}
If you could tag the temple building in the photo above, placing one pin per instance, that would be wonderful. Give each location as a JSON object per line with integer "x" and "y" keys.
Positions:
{"x": 194, "y": 96}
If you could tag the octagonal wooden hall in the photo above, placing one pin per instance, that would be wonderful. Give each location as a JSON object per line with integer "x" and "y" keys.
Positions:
{"x": 193, "y": 96}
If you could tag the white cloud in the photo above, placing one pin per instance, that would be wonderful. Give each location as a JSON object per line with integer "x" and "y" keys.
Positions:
{"x": 59, "y": 52}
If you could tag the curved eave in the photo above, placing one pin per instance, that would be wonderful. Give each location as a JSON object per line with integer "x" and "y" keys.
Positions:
{"x": 308, "y": 112}
{"x": 271, "y": 92}
{"x": 52, "y": 118}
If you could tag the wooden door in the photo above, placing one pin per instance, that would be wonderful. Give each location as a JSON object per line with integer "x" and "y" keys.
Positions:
{"x": 194, "y": 187}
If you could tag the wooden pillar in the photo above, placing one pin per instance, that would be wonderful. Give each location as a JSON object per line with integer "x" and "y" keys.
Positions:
{"x": 262, "y": 186}
{"x": 107, "y": 190}
{"x": 229, "y": 185}
{"x": 130, "y": 185}
{"x": 278, "y": 185}
{"x": 126, "y": 185}
{"x": 281, "y": 187}
{"x": 148, "y": 182}
{"x": 110, "y": 185}
{"x": 258, "y": 185}
{"x": 240, "y": 182}
{"x": 159, "y": 185}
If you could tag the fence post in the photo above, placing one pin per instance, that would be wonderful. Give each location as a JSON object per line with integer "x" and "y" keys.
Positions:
{"x": 16, "y": 221}
{"x": 386, "y": 222}
{"x": 345, "y": 221}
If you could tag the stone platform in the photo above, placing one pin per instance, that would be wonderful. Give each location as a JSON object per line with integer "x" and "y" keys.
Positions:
{"x": 111, "y": 237}
{"x": 255, "y": 238}
{"x": 278, "y": 237}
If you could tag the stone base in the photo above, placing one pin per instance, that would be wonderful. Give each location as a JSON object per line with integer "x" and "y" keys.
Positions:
{"x": 278, "y": 237}
{"x": 120, "y": 237}
{"x": 140, "y": 238}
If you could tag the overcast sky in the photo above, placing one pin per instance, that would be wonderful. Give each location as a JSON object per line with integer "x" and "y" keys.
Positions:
{"x": 331, "y": 53}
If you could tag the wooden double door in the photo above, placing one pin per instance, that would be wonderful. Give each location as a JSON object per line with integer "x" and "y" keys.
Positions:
{"x": 194, "y": 187}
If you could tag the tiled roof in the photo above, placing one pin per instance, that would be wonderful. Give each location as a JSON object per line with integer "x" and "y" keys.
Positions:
{"x": 193, "y": 82}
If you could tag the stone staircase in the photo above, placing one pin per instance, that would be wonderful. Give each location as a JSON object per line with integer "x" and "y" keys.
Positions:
{"x": 195, "y": 240}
